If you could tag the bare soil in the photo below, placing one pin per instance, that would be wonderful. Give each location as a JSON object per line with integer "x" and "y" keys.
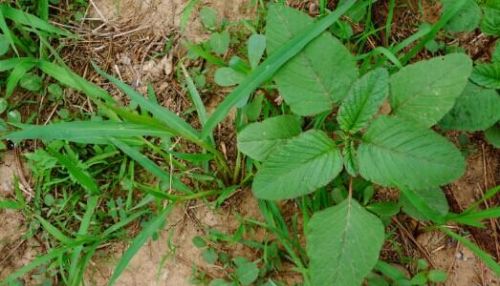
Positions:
{"x": 121, "y": 36}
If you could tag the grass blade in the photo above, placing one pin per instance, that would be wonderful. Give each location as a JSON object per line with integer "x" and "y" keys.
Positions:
{"x": 195, "y": 97}
{"x": 80, "y": 175}
{"x": 16, "y": 75}
{"x": 84, "y": 226}
{"x": 27, "y": 19}
{"x": 6, "y": 31}
{"x": 170, "y": 119}
{"x": 150, "y": 165}
{"x": 87, "y": 132}
{"x": 37, "y": 262}
{"x": 52, "y": 230}
{"x": 446, "y": 17}
{"x": 271, "y": 65}
{"x": 485, "y": 257}
{"x": 71, "y": 79}
{"x": 149, "y": 229}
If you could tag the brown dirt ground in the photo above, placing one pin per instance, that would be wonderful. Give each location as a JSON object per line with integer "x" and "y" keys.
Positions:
{"x": 121, "y": 36}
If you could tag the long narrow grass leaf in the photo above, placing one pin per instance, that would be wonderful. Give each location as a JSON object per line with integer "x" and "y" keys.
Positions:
{"x": 150, "y": 165}
{"x": 84, "y": 226}
{"x": 271, "y": 65}
{"x": 54, "y": 231}
{"x": 195, "y": 96}
{"x": 90, "y": 132}
{"x": 485, "y": 257}
{"x": 71, "y": 79}
{"x": 16, "y": 75}
{"x": 149, "y": 229}
{"x": 37, "y": 262}
{"x": 80, "y": 175}
{"x": 6, "y": 31}
{"x": 27, "y": 19}
{"x": 170, "y": 119}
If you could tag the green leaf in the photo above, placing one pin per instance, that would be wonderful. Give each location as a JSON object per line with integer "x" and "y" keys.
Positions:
{"x": 299, "y": 167}
{"x": 17, "y": 74}
{"x": 343, "y": 244}
{"x": 317, "y": 77}
{"x": 149, "y": 229}
{"x": 219, "y": 42}
{"x": 246, "y": 271}
{"x": 76, "y": 171}
{"x": 256, "y": 49}
{"x": 4, "y": 45}
{"x": 89, "y": 132}
{"x": 271, "y": 65}
{"x": 425, "y": 91}
{"x": 210, "y": 255}
{"x": 228, "y": 77}
{"x": 399, "y": 153}
{"x": 437, "y": 276}
{"x": 476, "y": 109}
{"x": 495, "y": 57}
{"x": 487, "y": 75}
{"x": 29, "y": 20}
{"x": 171, "y": 120}
{"x": 208, "y": 18}
{"x": 491, "y": 20}
{"x": 425, "y": 204}
{"x": 493, "y": 135}
{"x": 484, "y": 256}
{"x": 364, "y": 100}
{"x": 31, "y": 82}
{"x": 466, "y": 20}
{"x": 259, "y": 140}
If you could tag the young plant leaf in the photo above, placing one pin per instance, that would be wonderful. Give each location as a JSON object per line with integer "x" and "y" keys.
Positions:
{"x": 256, "y": 49}
{"x": 343, "y": 244}
{"x": 491, "y": 20}
{"x": 487, "y": 75}
{"x": 315, "y": 79}
{"x": 493, "y": 135}
{"x": 476, "y": 109}
{"x": 397, "y": 152}
{"x": 272, "y": 64}
{"x": 425, "y": 91}
{"x": 467, "y": 18}
{"x": 299, "y": 167}
{"x": 363, "y": 101}
{"x": 259, "y": 140}
{"x": 225, "y": 76}
{"x": 425, "y": 204}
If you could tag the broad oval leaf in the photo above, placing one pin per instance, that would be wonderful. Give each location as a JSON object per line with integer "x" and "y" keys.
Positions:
{"x": 425, "y": 204}
{"x": 256, "y": 49}
{"x": 228, "y": 77}
{"x": 476, "y": 109}
{"x": 487, "y": 75}
{"x": 493, "y": 135}
{"x": 317, "y": 77}
{"x": 343, "y": 244}
{"x": 258, "y": 140}
{"x": 364, "y": 100}
{"x": 301, "y": 166}
{"x": 425, "y": 91}
{"x": 491, "y": 20}
{"x": 466, "y": 20}
{"x": 399, "y": 153}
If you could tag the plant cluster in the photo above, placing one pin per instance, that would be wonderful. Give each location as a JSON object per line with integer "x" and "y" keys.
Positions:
{"x": 349, "y": 125}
